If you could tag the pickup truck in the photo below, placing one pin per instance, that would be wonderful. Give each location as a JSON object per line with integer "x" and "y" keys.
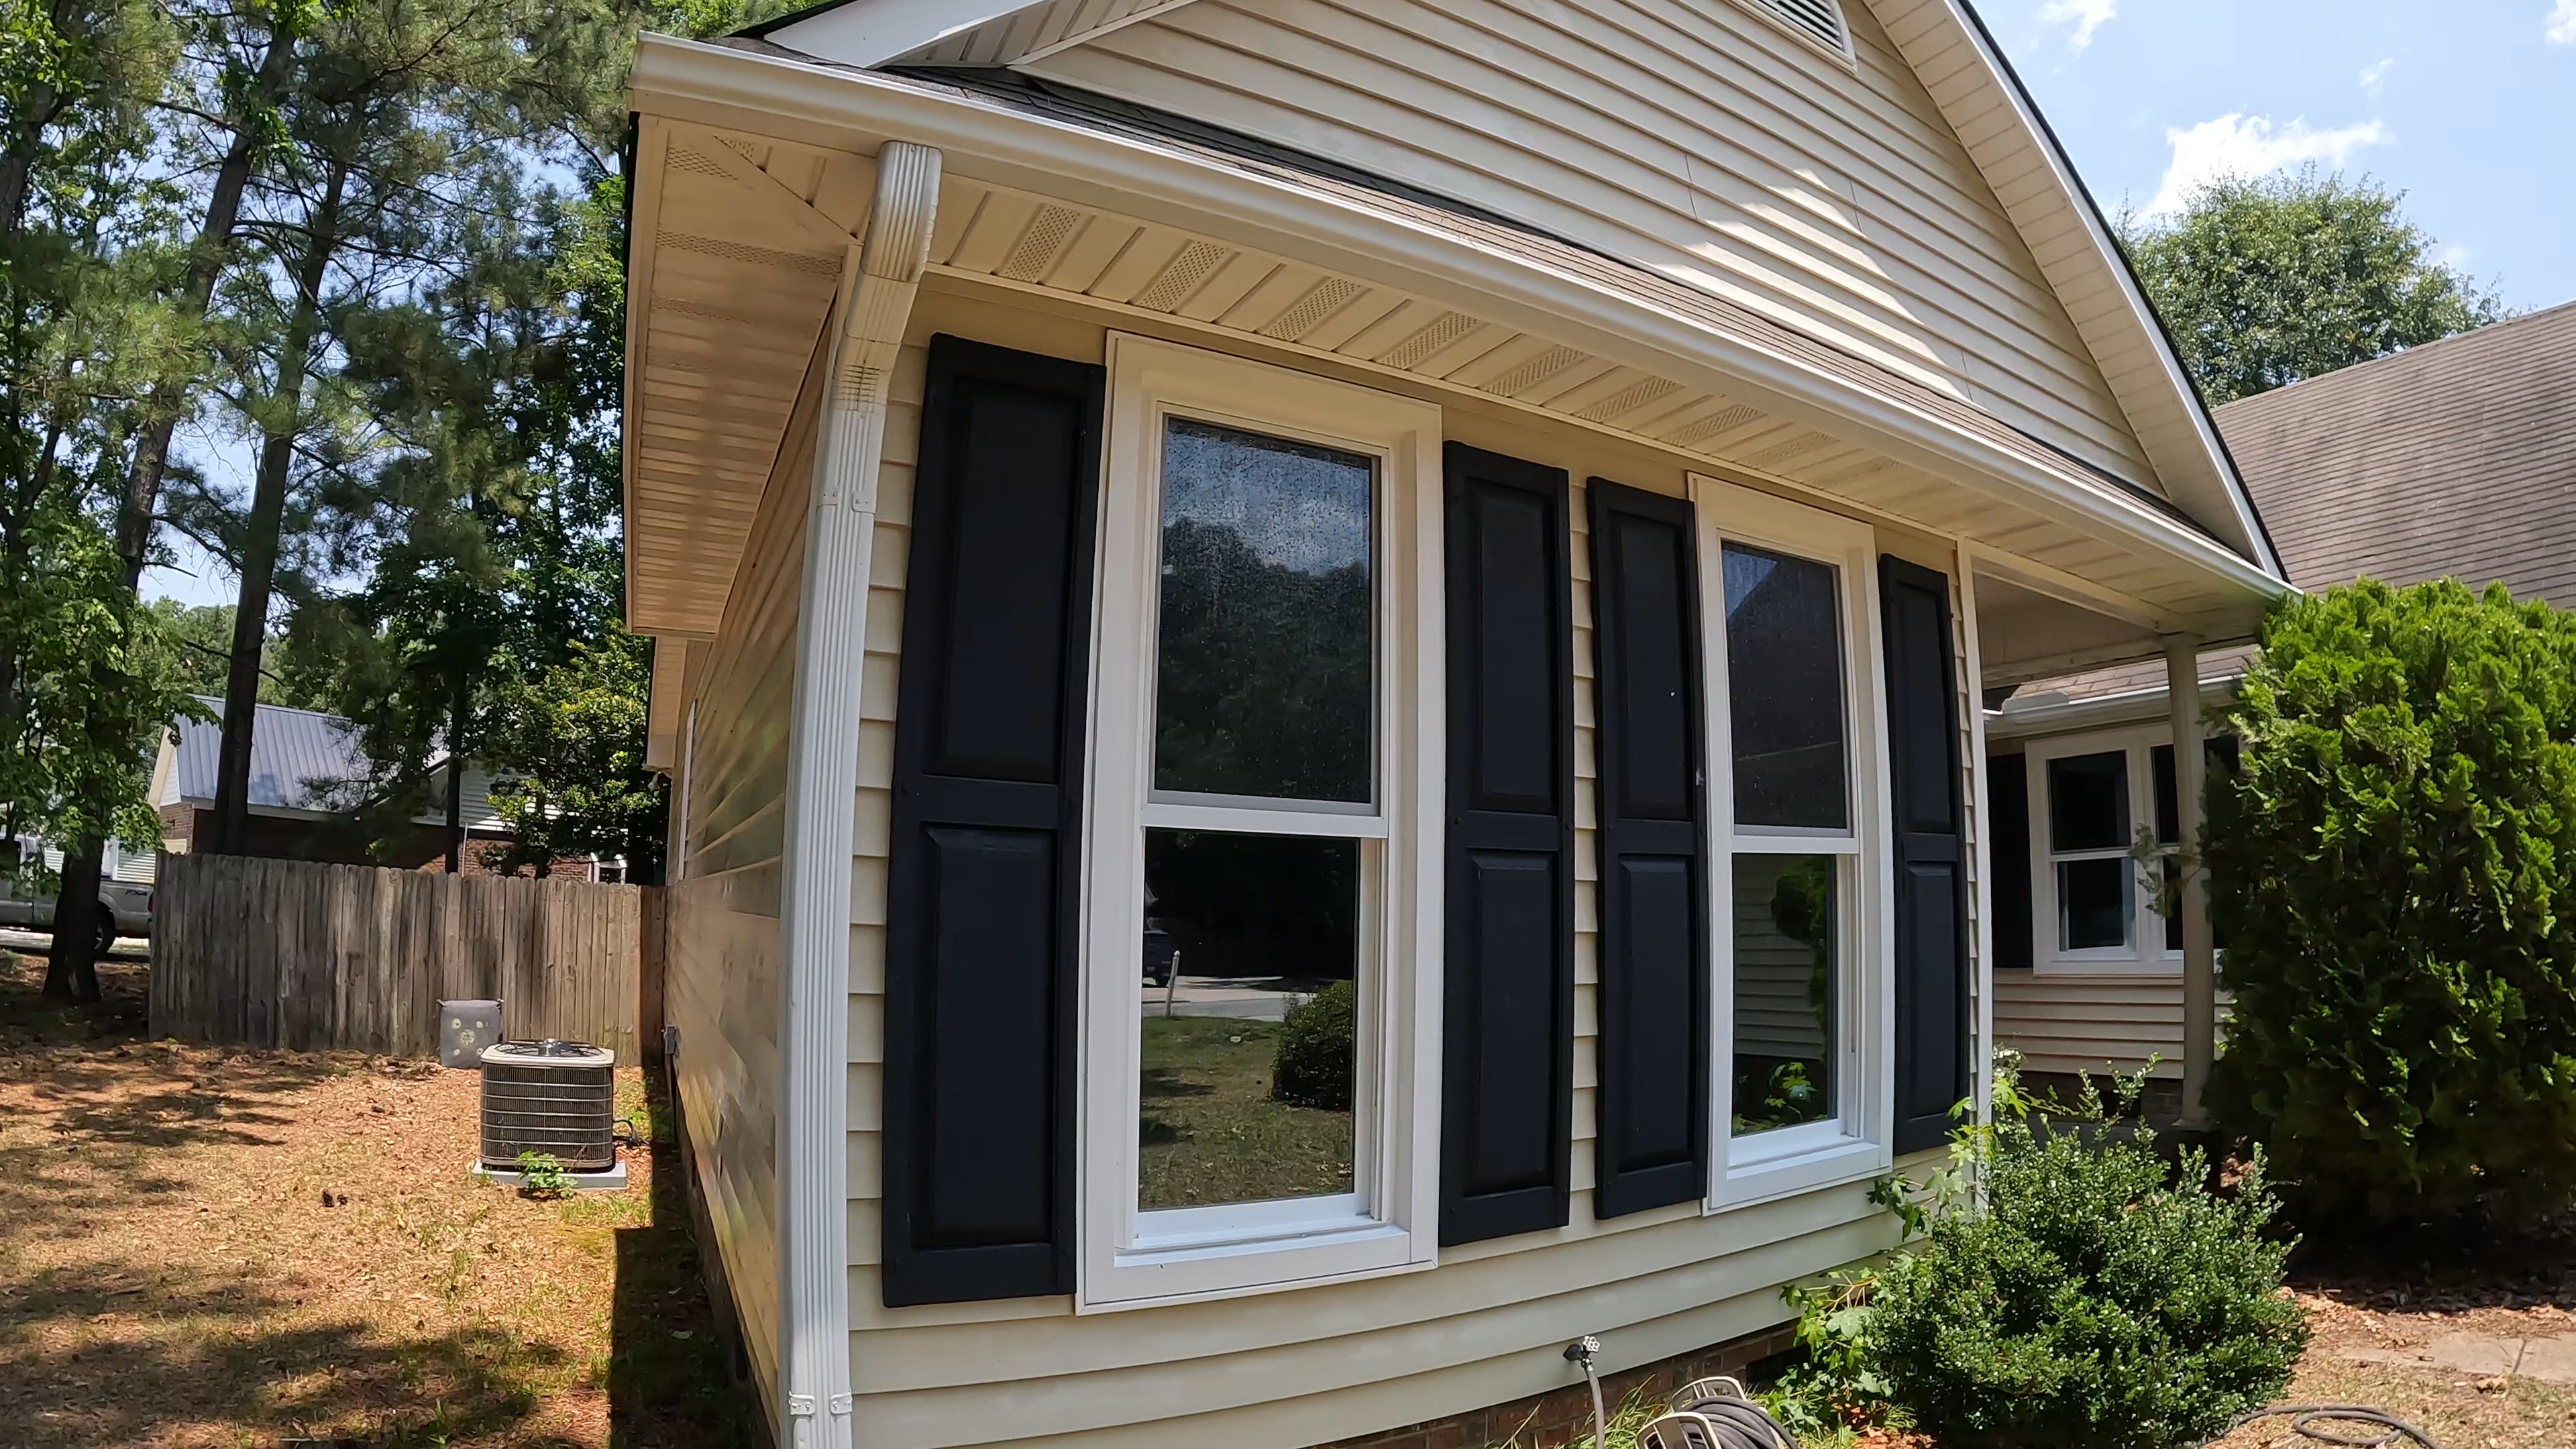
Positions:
{"x": 125, "y": 908}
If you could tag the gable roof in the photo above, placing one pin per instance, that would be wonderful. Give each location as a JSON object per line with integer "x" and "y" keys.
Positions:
{"x": 1965, "y": 73}
{"x": 2453, "y": 459}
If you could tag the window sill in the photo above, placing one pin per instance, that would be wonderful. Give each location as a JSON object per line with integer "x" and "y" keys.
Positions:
{"x": 1760, "y": 1170}
{"x": 1167, "y": 1270}
{"x": 2111, "y": 968}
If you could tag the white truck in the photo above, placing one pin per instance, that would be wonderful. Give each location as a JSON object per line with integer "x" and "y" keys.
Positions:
{"x": 125, "y": 908}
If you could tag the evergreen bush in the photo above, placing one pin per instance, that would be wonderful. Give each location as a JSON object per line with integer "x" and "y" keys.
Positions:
{"x": 1317, "y": 1048}
{"x": 2096, "y": 1298}
{"x": 2393, "y": 868}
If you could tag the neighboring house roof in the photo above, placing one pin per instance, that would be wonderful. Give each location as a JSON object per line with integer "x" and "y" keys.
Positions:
{"x": 1966, "y": 74}
{"x": 300, "y": 759}
{"x": 2455, "y": 459}
{"x": 302, "y": 762}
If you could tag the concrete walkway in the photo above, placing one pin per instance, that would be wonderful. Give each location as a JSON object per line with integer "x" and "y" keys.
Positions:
{"x": 2549, "y": 1360}
{"x": 1242, "y": 998}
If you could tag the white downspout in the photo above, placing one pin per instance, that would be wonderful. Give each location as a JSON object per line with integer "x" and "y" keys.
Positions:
{"x": 2199, "y": 957}
{"x": 877, "y": 288}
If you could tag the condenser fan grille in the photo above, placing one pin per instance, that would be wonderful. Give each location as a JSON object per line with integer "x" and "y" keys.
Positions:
{"x": 557, "y": 1098}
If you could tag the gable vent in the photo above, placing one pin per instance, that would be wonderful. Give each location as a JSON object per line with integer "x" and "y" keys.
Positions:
{"x": 1819, "y": 20}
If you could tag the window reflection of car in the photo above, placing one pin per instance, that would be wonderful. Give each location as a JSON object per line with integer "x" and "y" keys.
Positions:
{"x": 1159, "y": 956}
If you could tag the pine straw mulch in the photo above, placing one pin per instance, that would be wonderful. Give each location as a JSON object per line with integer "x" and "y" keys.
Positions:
{"x": 218, "y": 1247}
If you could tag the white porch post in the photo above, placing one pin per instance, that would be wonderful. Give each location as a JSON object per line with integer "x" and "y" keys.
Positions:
{"x": 877, "y": 288}
{"x": 2199, "y": 958}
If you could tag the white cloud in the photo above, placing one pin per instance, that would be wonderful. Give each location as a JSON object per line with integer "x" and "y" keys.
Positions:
{"x": 2088, "y": 16}
{"x": 2242, "y": 145}
{"x": 2375, "y": 76}
{"x": 2562, "y": 23}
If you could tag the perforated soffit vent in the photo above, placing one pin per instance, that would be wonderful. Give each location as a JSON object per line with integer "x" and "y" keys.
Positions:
{"x": 1818, "y": 20}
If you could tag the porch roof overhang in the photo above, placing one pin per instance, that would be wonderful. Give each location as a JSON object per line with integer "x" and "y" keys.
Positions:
{"x": 752, "y": 182}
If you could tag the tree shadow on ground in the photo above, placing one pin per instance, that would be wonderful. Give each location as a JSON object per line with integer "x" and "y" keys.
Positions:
{"x": 89, "y": 1361}
{"x": 671, "y": 1381}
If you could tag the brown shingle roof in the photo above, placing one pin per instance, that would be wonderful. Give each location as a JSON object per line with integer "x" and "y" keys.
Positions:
{"x": 2456, "y": 458}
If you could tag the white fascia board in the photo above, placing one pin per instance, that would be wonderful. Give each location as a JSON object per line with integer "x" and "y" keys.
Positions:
{"x": 2006, "y": 84}
{"x": 872, "y": 32}
{"x": 825, "y": 104}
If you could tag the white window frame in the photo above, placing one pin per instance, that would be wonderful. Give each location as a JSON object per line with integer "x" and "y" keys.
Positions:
{"x": 2135, "y": 958}
{"x": 1128, "y": 1258}
{"x": 1855, "y": 1143}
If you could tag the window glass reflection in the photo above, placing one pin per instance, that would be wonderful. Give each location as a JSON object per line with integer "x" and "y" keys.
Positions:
{"x": 1784, "y": 678}
{"x": 1249, "y": 1033}
{"x": 2088, "y": 802}
{"x": 1786, "y": 930}
{"x": 2093, "y": 902}
{"x": 1263, "y": 682}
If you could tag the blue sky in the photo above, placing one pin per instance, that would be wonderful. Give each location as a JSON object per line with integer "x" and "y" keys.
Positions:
{"x": 2469, "y": 107}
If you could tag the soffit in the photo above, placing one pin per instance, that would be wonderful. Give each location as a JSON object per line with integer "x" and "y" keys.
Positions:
{"x": 1140, "y": 269}
{"x": 733, "y": 271}
{"x": 1977, "y": 94}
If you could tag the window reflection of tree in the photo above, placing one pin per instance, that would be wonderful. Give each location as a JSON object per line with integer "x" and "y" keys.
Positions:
{"x": 1264, "y": 677}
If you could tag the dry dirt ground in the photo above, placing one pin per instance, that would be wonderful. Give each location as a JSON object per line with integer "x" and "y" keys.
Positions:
{"x": 225, "y": 1248}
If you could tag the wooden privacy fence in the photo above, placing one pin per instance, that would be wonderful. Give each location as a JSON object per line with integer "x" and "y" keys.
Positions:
{"x": 288, "y": 953}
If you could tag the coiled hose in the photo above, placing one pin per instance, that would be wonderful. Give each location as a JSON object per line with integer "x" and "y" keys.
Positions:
{"x": 2309, "y": 1422}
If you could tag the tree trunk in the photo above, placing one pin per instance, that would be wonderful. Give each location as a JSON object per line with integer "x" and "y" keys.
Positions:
{"x": 205, "y": 264}
{"x": 267, "y": 515}
{"x": 71, "y": 965}
{"x": 456, "y": 777}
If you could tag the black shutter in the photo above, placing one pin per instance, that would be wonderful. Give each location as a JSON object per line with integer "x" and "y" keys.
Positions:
{"x": 1507, "y": 1086}
{"x": 1652, "y": 1142}
{"x": 2008, "y": 814}
{"x": 1931, "y": 915}
{"x": 980, "y": 948}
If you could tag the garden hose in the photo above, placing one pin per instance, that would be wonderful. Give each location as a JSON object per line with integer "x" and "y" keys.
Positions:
{"x": 2309, "y": 1422}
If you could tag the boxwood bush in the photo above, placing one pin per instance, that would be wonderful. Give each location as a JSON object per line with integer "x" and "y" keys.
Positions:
{"x": 2393, "y": 868}
{"x": 2095, "y": 1297}
{"x": 1317, "y": 1048}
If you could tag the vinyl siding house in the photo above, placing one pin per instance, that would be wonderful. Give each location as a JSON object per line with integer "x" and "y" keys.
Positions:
{"x": 2452, "y": 460}
{"x": 1513, "y": 507}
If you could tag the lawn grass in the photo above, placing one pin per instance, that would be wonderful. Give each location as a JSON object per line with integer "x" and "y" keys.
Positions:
{"x": 1211, "y": 1132}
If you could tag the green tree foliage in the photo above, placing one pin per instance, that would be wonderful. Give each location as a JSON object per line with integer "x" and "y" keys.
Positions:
{"x": 2098, "y": 1296}
{"x": 2267, "y": 280}
{"x": 86, "y": 213}
{"x": 2392, "y": 867}
{"x": 572, "y": 735}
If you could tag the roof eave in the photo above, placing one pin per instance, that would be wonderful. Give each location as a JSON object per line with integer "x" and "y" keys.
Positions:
{"x": 856, "y": 109}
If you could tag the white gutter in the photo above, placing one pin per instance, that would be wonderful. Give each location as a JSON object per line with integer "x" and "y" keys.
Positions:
{"x": 878, "y": 284}
{"x": 833, "y": 106}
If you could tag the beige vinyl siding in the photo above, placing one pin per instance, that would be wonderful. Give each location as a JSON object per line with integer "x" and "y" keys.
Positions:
{"x": 1699, "y": 140}
{"x": 2069, "y": 1023}
{"x": 723, "y": 987}
{"x": 1287, "y": 1369}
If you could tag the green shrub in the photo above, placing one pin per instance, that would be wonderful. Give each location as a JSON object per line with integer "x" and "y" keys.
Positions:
{"x": 2394, "y": 871}
{"x": 2096, "y": 1297}
{"x": 1317, "y": 1046}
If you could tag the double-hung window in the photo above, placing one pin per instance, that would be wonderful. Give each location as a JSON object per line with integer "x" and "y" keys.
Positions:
{"x": 1262, "y": 833}
{"x": 1798, "y": 884}
{"x": 2106, "y": 829}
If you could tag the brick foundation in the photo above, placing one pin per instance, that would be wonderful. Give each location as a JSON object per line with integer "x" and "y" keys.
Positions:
{"x": 1564, "y": 1415}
